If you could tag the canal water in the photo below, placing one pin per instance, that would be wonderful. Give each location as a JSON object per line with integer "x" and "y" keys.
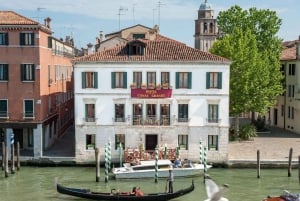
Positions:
{"x": 38, "y": 183}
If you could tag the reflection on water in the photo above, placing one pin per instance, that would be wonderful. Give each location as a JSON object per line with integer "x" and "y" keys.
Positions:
{"x": 33, "y": 183}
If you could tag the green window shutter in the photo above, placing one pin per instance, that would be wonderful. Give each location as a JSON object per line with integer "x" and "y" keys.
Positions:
{"x": 5, "y": 71}
{"x": 177, "y": 80}
{"x": 187, "y": 142}
{"x": 179, "y": 111}
{"x": 207, "y": 80}
{"x": 6, "y": 39}
{"x": 49, "y": 42}
{"x": 189, "y": 80}
{"x": 28, "y": 106}
{"x": 33, "y": 71}
{"x": 32, "y": 39}
{"x": 186, "y": 111}
{"x": 21, "y": 39}
{"x": 22, "y": 72}
{"x": 217, "y": 111}
{"x": 217, "y": 142}
{"x": 86, "y": 110}
{"x": 208, "y": 116}
{"x": 113, "y": 80}
{"x": 220, "y": 80}
{"x": 124, "y": 80}
{"x": 96, "y": 80}
{"x": 83, "y": 80}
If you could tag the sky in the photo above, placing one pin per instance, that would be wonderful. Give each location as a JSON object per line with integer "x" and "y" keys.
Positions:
{"x": 84, "y": 19}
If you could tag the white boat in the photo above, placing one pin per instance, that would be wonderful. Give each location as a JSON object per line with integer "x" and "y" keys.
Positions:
{"x": 146, "y": 169}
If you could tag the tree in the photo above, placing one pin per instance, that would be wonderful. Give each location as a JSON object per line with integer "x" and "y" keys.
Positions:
{"x": 251, "y": 43}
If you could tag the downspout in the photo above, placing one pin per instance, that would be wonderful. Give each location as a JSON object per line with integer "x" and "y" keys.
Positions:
{"x": 284, "y": 100}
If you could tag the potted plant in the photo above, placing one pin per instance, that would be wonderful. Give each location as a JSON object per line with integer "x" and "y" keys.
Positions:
{"x": 133, "y": 85}
{"x": 151, "y": 86}
{"x": 165, "y": 85}
{"x": 158, "y": 86}
{"x": 144, "y": 86}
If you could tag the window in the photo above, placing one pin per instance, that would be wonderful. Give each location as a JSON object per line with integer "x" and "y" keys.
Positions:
{"x": 90, "y": 141}
{"x": 183, "y": 112}
{"x": 28, "y": 109}
{"x": 137, "y": 36}
{"x": 213, "y": 113}
{"x": 183, "y": 80}
{"x": 291, "y": 90}
{"x": 213, "y": 142}
{"x": 137, "y": 79}
{"x": 3, "y": 72}
{"x": 3, "y": 108}
{"x": 292, "y": 69}
{"x": 90, "y": 112}
{"x": 137, "y": 111}
{"x": 165, "y": 114}
{"x": 183, "y": 141}
{"x": 3, "y": 38}
{"x": 30, "y": 137}
{"x": 89, "y": 80}
{"x": 165, "y": 79}
{"x": 213, "y": 80}
{"x": 26, "y": 38}
{"x": 151, "y": 79}
{"x": 27, "y": 72}
{"x": 136, "y": 48}
{"x": 119, "y": 80}
{"x": 119, "y": 139}
{"x": 282, "y": 110}
{"x": 119, "y": 113}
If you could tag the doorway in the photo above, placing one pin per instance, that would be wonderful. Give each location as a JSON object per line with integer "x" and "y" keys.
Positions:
{"x": 275, "y": 116}
{"x": 151, "y": 142}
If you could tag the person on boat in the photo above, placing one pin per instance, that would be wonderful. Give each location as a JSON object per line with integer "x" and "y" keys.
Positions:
{"x": 177, "y": 163}
{"x": 171, "y": 179}
{"x": 137, "y": 192}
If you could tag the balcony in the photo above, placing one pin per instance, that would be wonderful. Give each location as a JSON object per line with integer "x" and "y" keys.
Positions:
{"x": 213, "y": 121}
{"x": 151, "y": 93}
{"x": 89, "y": 119}
{"x": 151, "y": 120}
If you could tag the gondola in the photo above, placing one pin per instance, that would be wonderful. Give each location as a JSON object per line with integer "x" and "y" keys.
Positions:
{"x": 122, "y": 196}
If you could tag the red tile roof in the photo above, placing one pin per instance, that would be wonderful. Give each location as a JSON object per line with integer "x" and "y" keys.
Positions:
{"x": 160, "y": 49}
{"x": 288, "y": 54}
{"x": 12, "y": 18}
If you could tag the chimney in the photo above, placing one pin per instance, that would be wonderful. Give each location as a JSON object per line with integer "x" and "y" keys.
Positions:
{"x": 90, "y": 48}
{"x": 47, "y": 22}
{"x": 298, "y": 49}
{"x": 101, "y": 36}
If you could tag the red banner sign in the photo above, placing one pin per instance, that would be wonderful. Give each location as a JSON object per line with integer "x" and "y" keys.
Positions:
{"x": 151, "y": 93}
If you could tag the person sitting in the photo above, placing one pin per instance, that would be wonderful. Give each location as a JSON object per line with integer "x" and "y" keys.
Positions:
{"x": 177, "y": 163}
{"x": 137, "y": 192}
{"x": 133, "y": 192}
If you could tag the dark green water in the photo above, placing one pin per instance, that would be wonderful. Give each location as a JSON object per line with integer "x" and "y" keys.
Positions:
{"x": 38, "y": 183}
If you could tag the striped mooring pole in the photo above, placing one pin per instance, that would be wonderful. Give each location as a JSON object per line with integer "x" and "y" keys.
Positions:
{"x": 156, "y": 163}
{"x": 205, "y": 159}
{"x": 109, "y": 155}
{"x": 106, "y": 163}
{"x": 201, "y": 152}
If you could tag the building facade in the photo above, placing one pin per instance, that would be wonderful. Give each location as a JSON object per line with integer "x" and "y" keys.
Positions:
{"x": 287, "y": 110}
{"x": 206, "y": 31}
{"x": 36, "y": 83}
{"x": 151, "y": 91}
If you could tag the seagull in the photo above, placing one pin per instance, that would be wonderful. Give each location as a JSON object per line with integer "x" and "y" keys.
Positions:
{"x": 214, "y": 193}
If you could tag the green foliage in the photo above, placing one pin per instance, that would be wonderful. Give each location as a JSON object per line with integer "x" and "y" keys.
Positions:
{"x": 247, "y": 131}
{"x": 250, "y": 42}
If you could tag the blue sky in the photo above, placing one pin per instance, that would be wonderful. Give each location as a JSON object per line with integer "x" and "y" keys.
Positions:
{"x": 83, "y": 19}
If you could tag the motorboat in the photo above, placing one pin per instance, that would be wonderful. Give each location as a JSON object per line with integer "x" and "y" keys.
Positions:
{"x": 148, "y": 169}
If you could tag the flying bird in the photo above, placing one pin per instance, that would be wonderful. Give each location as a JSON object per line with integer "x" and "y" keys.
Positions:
{"x": 214, "y": 193}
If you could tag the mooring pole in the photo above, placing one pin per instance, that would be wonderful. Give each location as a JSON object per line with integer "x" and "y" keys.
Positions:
{"x": 290, "y": 162}
{"x": 18, "y": 156}
{"x": 97, "y": 157}
{"x": 258, "y": 164}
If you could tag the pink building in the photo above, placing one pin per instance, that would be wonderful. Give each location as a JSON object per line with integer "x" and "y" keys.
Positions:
{"x": 36, "y": 83}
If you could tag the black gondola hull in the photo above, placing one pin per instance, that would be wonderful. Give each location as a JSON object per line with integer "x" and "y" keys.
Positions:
{"x": 87, "y": 194}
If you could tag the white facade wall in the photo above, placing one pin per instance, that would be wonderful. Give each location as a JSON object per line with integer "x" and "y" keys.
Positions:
{"x": 198, "y": 98}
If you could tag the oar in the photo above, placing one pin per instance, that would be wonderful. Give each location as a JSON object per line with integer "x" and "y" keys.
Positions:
{"x": 166, "y": 187}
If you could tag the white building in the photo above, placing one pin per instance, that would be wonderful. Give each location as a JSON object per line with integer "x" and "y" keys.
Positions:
{"x": 186, "y": 100}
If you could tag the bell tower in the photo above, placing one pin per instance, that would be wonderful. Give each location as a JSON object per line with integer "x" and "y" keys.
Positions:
{"x": 205, "y": 27}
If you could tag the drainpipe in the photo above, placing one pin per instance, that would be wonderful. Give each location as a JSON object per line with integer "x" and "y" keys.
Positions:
{"x": 284, "y": 100}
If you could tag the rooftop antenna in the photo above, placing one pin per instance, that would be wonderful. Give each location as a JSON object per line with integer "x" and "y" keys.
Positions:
{"x": 121, "y": 9}
{"x": 154, "y": 9}
{"x": 159, "y": 4}
{"x": 133, "y": 5}
{"x": 38, "y": 13}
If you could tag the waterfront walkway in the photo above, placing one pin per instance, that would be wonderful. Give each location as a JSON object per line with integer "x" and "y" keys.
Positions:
{"x": 274, "y": 147}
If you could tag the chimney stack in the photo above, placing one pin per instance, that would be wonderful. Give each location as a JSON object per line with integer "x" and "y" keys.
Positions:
{"x": 90, "y": 48}
{"x": 47, "y": 22}
{"x": 101, "y": 36}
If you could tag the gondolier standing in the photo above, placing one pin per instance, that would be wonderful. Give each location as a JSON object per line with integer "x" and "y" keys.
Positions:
{"x": 171, "y": 179}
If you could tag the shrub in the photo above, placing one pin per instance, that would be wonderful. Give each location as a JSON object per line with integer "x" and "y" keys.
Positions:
{"x": 247, "y": 131}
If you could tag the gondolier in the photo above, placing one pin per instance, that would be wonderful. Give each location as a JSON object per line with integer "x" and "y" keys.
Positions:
{"x": 171, "y": 179}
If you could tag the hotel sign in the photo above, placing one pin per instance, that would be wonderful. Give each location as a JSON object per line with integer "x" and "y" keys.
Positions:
{"x": 151, "y": 93}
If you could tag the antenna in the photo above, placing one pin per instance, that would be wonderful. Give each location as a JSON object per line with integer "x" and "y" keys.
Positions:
{"x": 120, "y": 13}
{"x": 38, "y": 13}
{"x": 159, "y": 5}
{"x": 154, "y": 9}
{"x": 133, "y": 5}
